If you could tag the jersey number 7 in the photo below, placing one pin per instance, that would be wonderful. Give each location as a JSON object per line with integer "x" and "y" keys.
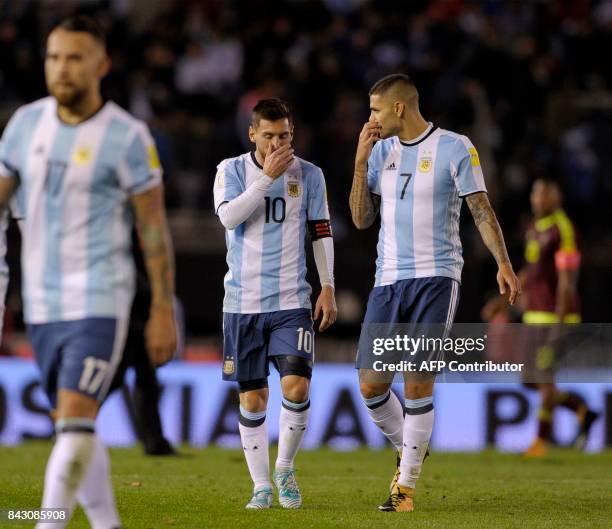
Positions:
{"x": 408, "y": 176}
{"x": 55, "y": 176}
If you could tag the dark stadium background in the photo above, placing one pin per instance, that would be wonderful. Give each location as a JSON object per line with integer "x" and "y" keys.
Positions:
{"x": 528, "y": 82}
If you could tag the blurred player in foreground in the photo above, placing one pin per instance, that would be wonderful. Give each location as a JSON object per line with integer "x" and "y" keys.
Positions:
{"x": 4, "y": 269}
{"x": 267, "y": 200}
{"x": 82, "y": 168}
{"x": 416, "y": 175}
{"x": 550, "y": 279}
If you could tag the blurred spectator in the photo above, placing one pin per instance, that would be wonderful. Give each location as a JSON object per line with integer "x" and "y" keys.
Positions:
{"x": 527, "y": 81}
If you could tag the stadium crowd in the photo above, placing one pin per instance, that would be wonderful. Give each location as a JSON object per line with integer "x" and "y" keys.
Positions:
{"x": 528, "y": 82}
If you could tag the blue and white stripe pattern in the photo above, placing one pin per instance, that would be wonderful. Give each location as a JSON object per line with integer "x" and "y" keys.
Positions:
{"x": 76, "y": 424}
{"x": 75, "y": 184}
{"x": 378, "y": 400}
{"x": 266, "y": 254}
{"x": 252, "y": 416}
{"x": 418, "y": 406}
{"x": 452, "y": 308}
{"x": 296, "y": 406}
{"x": 4, "y": 271}
{"x": 421, "y": 185}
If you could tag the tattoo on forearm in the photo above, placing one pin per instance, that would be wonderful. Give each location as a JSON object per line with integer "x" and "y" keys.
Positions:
{"x": 364, "y": 206}
{"x": 486, "y": 222}
{"x": 156, "y": 248}
{"x": 162, "y": 285}
{"x": 152, "y": 241}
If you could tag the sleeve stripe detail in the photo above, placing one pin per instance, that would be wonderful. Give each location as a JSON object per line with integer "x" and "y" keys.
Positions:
{"x": 217, "y": 210}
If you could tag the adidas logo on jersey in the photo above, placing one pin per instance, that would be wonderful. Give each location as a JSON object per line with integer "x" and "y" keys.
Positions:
{"x": 391, "y": 167}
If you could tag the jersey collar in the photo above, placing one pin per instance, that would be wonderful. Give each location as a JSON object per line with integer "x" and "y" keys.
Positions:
{"x": 89, "y": 118}
{"x": 421, "y": 137}
{"x": 254, "y": 158}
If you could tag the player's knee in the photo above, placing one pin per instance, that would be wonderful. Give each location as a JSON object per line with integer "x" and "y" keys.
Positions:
{"x": 71, "y": 403}
{"x": 254, "y": 400}
{"x": 295, "y": 389}
{"x": 370, "y": 390}
{"x": 419, "y": 390}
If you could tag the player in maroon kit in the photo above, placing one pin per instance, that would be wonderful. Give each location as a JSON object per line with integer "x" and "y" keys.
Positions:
{"x": 549, "y": 283}
{"x": 550, "y": 277}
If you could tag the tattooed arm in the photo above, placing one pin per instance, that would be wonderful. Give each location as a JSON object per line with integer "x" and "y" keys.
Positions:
{"x": 154, "y": 236}
{"x": 364, "y": 206}
{"x": 492, "y": 236}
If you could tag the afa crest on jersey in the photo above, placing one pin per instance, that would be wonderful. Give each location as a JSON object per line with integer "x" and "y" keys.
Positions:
{"x": 293, "y": 189}
{"x": 228, "y": 367}
{"x": 425, "y": 164}
{"x": 82, "y": 155}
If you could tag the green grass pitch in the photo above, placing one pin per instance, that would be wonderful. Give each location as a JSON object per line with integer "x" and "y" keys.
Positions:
{"x": 208, "y": 488}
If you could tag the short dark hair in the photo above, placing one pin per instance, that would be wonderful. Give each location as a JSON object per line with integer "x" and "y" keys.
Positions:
{"x": 85, "y": 24}
{"x": 389, "y": 81}
{"x": 271, "y": 109}
{"x": 549, "y": 179}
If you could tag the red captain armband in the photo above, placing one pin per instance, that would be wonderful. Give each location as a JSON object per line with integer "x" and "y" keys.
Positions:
{"x": 319, "y": 229}
{"x": 565, "y": 260}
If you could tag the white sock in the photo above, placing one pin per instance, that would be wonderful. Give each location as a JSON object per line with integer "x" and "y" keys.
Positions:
{"x": 96, "y": 493}
{"x": 254, "y": 436}
{"x": 388, "y": 414}
{"x": 418, "y": 424}
{"x": 67, "y": 466}
{"x": 292, "y": 426}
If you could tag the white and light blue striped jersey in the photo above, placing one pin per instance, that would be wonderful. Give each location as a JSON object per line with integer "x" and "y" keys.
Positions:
{"x": 4, "y": 270}
{"x": 266, "y": 254}
{"x": 421, "y": 185}
{"x": 75, "y": 184}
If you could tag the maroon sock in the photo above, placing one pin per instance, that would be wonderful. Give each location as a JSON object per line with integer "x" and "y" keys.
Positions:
{"x": 544, "y": 424}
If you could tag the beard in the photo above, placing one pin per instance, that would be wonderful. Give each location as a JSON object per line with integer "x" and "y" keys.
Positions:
{"x": 70, "y": 98}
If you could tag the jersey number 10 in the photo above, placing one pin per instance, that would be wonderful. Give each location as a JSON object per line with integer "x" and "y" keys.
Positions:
{"x": 275, "y": 209}
{"x": 305, "y": 340}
